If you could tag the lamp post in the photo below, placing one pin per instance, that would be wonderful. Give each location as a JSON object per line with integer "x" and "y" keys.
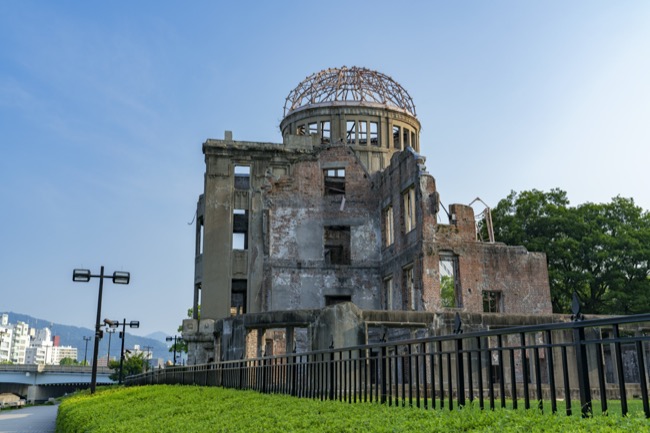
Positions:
{"x": 86, "y": 339}
{"x": 115, "y": 324}
{"x": 83, "y": 276}
{"x": 110, "y": 331}
{"x": 176, "y": 339}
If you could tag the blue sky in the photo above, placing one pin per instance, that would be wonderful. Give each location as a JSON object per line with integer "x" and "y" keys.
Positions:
{"x": 104, "y": 107}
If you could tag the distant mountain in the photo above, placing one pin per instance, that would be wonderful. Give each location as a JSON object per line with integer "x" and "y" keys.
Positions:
{"x": 158, "y": 336}
{"x": 73, "y": 336}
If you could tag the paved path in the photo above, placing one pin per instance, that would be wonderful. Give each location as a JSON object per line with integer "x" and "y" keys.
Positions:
{"x": 34, "y": 419}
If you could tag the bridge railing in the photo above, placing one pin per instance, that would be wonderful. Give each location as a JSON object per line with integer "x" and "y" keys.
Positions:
{"x": 561, "y": 366}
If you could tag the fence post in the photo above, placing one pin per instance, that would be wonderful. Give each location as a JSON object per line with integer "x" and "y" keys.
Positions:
{"x": 460, "y": 371}
{"x": 581, "y": 358}
{"x": 331, "y": 371}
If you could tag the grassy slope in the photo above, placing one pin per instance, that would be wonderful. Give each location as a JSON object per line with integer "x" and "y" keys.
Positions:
{"x": 165, "y": 408}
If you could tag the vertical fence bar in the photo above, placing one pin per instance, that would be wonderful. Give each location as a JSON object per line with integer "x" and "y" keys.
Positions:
{"x": 479, "y": 360}
{"x": 502, "y": 379}
{"x": 642, "y": 378}
{"x": 600, "y": 366}
{"x": 619, "y": 368}
{"x": 524, "y": 367}
{"x": 551, "y": 369}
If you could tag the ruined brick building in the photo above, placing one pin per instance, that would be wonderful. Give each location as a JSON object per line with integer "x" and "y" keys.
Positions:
{"x": 335, "y": 236}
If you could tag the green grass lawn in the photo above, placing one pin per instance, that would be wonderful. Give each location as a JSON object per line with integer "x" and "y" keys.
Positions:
{"x": 167, "y": 408}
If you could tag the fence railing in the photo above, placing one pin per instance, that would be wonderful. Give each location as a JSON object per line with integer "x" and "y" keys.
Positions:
{"x": 583, "y": 362}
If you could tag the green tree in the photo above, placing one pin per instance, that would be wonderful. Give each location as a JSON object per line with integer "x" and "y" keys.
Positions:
{"x": 68, "y": 361}
{"x": 602, "y": 251}
{"x": 134, "y": 364}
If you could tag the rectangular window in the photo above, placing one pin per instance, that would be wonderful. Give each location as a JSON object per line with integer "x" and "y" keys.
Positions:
{"x": 239, "y": 229}
{"x": 336, "y": 299}
{"x": 405, "y": 138}
{"x": 242, "y": 177}
{"x": 388, "y": 226}
{"x": 449, "y": 281}
{"x": 334, "y": 181}
{"x": 397, "y": 143}
{"x": 300, "y": 129}
{"x": 313, "y": 128}
{"x": 336, "y": 241}
{"x": 413, "y": 143}
{"x": 351, "y": 132}
{"x": 374, "y": 133}
{"x": 325, "y": 132}
{"x": 409, "y": 287}
{"x": 388, "y": 293}
{"x": 363, "y": 132}
{"x": 492, "y": 302}
{"x": 408, "y": 209}
{"x": 238, "y": 297}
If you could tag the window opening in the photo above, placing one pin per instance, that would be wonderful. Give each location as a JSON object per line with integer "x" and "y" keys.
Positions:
{"x": 240, "y": 229}
{"x": 397, "y": 144}
{"x": 325, "y": 131}
{"x": 337, "y": 299}
{"x": 409, "y": 287}
{"x": 408, "y": 209}
{"x": 374, "y": 133}
{"x": 449, "y": 282}
{"x": 336, "y": 240}
{"x": 238, "y": 297}
{"x": 242, "y": 177}
{"x": 351, "y": 131}
{"x": 363, "y": 132}
{"x": 334, "y": 181}
{"x": 405, "y": 138}
{"x": 492, "y": 302}
{"x": 313, "y": 128}
{"x": 388, "y": 226}
{"x": 413, "y": 145}
{"x": 388, "y": 293}
{"x": 268, "y": 347}
{"x": 300, "y": 129}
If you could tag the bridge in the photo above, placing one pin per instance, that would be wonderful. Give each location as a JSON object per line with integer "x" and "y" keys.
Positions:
{"x": 37, "y": 383}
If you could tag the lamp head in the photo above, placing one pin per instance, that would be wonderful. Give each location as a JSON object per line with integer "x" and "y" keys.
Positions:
{"x": 81, "y": 275}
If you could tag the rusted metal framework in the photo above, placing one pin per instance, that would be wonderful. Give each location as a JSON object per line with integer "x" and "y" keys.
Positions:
{"x": 342, "y": 85}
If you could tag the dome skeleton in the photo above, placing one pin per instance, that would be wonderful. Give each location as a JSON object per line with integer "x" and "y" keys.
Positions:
{"x": 344, "y": 85}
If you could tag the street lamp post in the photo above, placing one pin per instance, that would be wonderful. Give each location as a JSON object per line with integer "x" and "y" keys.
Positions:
{"x": 115, "y": 324}
{"x": 110, "y": 331}
{"x": 176, "y": 339}
{"x": 86, "y": 339}
{"x": 83, "y": 276}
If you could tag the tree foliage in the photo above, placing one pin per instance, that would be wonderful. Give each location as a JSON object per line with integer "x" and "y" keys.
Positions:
{"x": 69, "y": 361}
{"x": 134, "y": 364}
{"x": 602, "y": 251}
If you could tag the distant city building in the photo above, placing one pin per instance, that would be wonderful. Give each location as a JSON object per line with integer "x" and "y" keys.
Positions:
{"x": 20, "y": 344}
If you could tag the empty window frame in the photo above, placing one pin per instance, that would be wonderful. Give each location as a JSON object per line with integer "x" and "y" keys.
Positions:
{"x": 413, "y": 143}
{"x": 242, "y": 177}
{"x": 238, "y": 297}
{"x": 389, "y": 237}
{"x": 374, "y": 133}
{"x": 312, "y": 128}
{"x": 300, "y": 129}
{"x": 408, "y": 209}
{"x": 336, "y": 242}
{"x": 388, "y": 293}
{"x": 351, "y": 131}
{"x": 409, "y": 287}
{"x": 334, "y": 181}
{"x": 362, "y": 127}
{"x": 239, "y": 229}
{"x": 325, "y": 131}
{"x": 397, "y": 137}
{"x": 337, "y": 299}
{"x": 450, "y": 295}
{"x": 406, "y": 138}
{"x": 492, "y": 302}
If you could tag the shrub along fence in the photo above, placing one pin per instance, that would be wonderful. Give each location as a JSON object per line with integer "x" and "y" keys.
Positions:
{"x": 583, "y": 362}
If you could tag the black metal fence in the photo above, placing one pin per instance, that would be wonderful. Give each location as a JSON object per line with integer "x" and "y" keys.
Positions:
{"x": 570, "y": 366}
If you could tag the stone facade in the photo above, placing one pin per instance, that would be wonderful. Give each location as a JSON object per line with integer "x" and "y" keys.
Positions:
{"x": 343, "y": 210}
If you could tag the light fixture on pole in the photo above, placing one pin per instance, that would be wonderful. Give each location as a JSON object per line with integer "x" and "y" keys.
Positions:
{"x": 86, "y": 339}
{"x": 83, "y": 276}
{"x": 115, "y": 324}
{"x": 176, "y": 340}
